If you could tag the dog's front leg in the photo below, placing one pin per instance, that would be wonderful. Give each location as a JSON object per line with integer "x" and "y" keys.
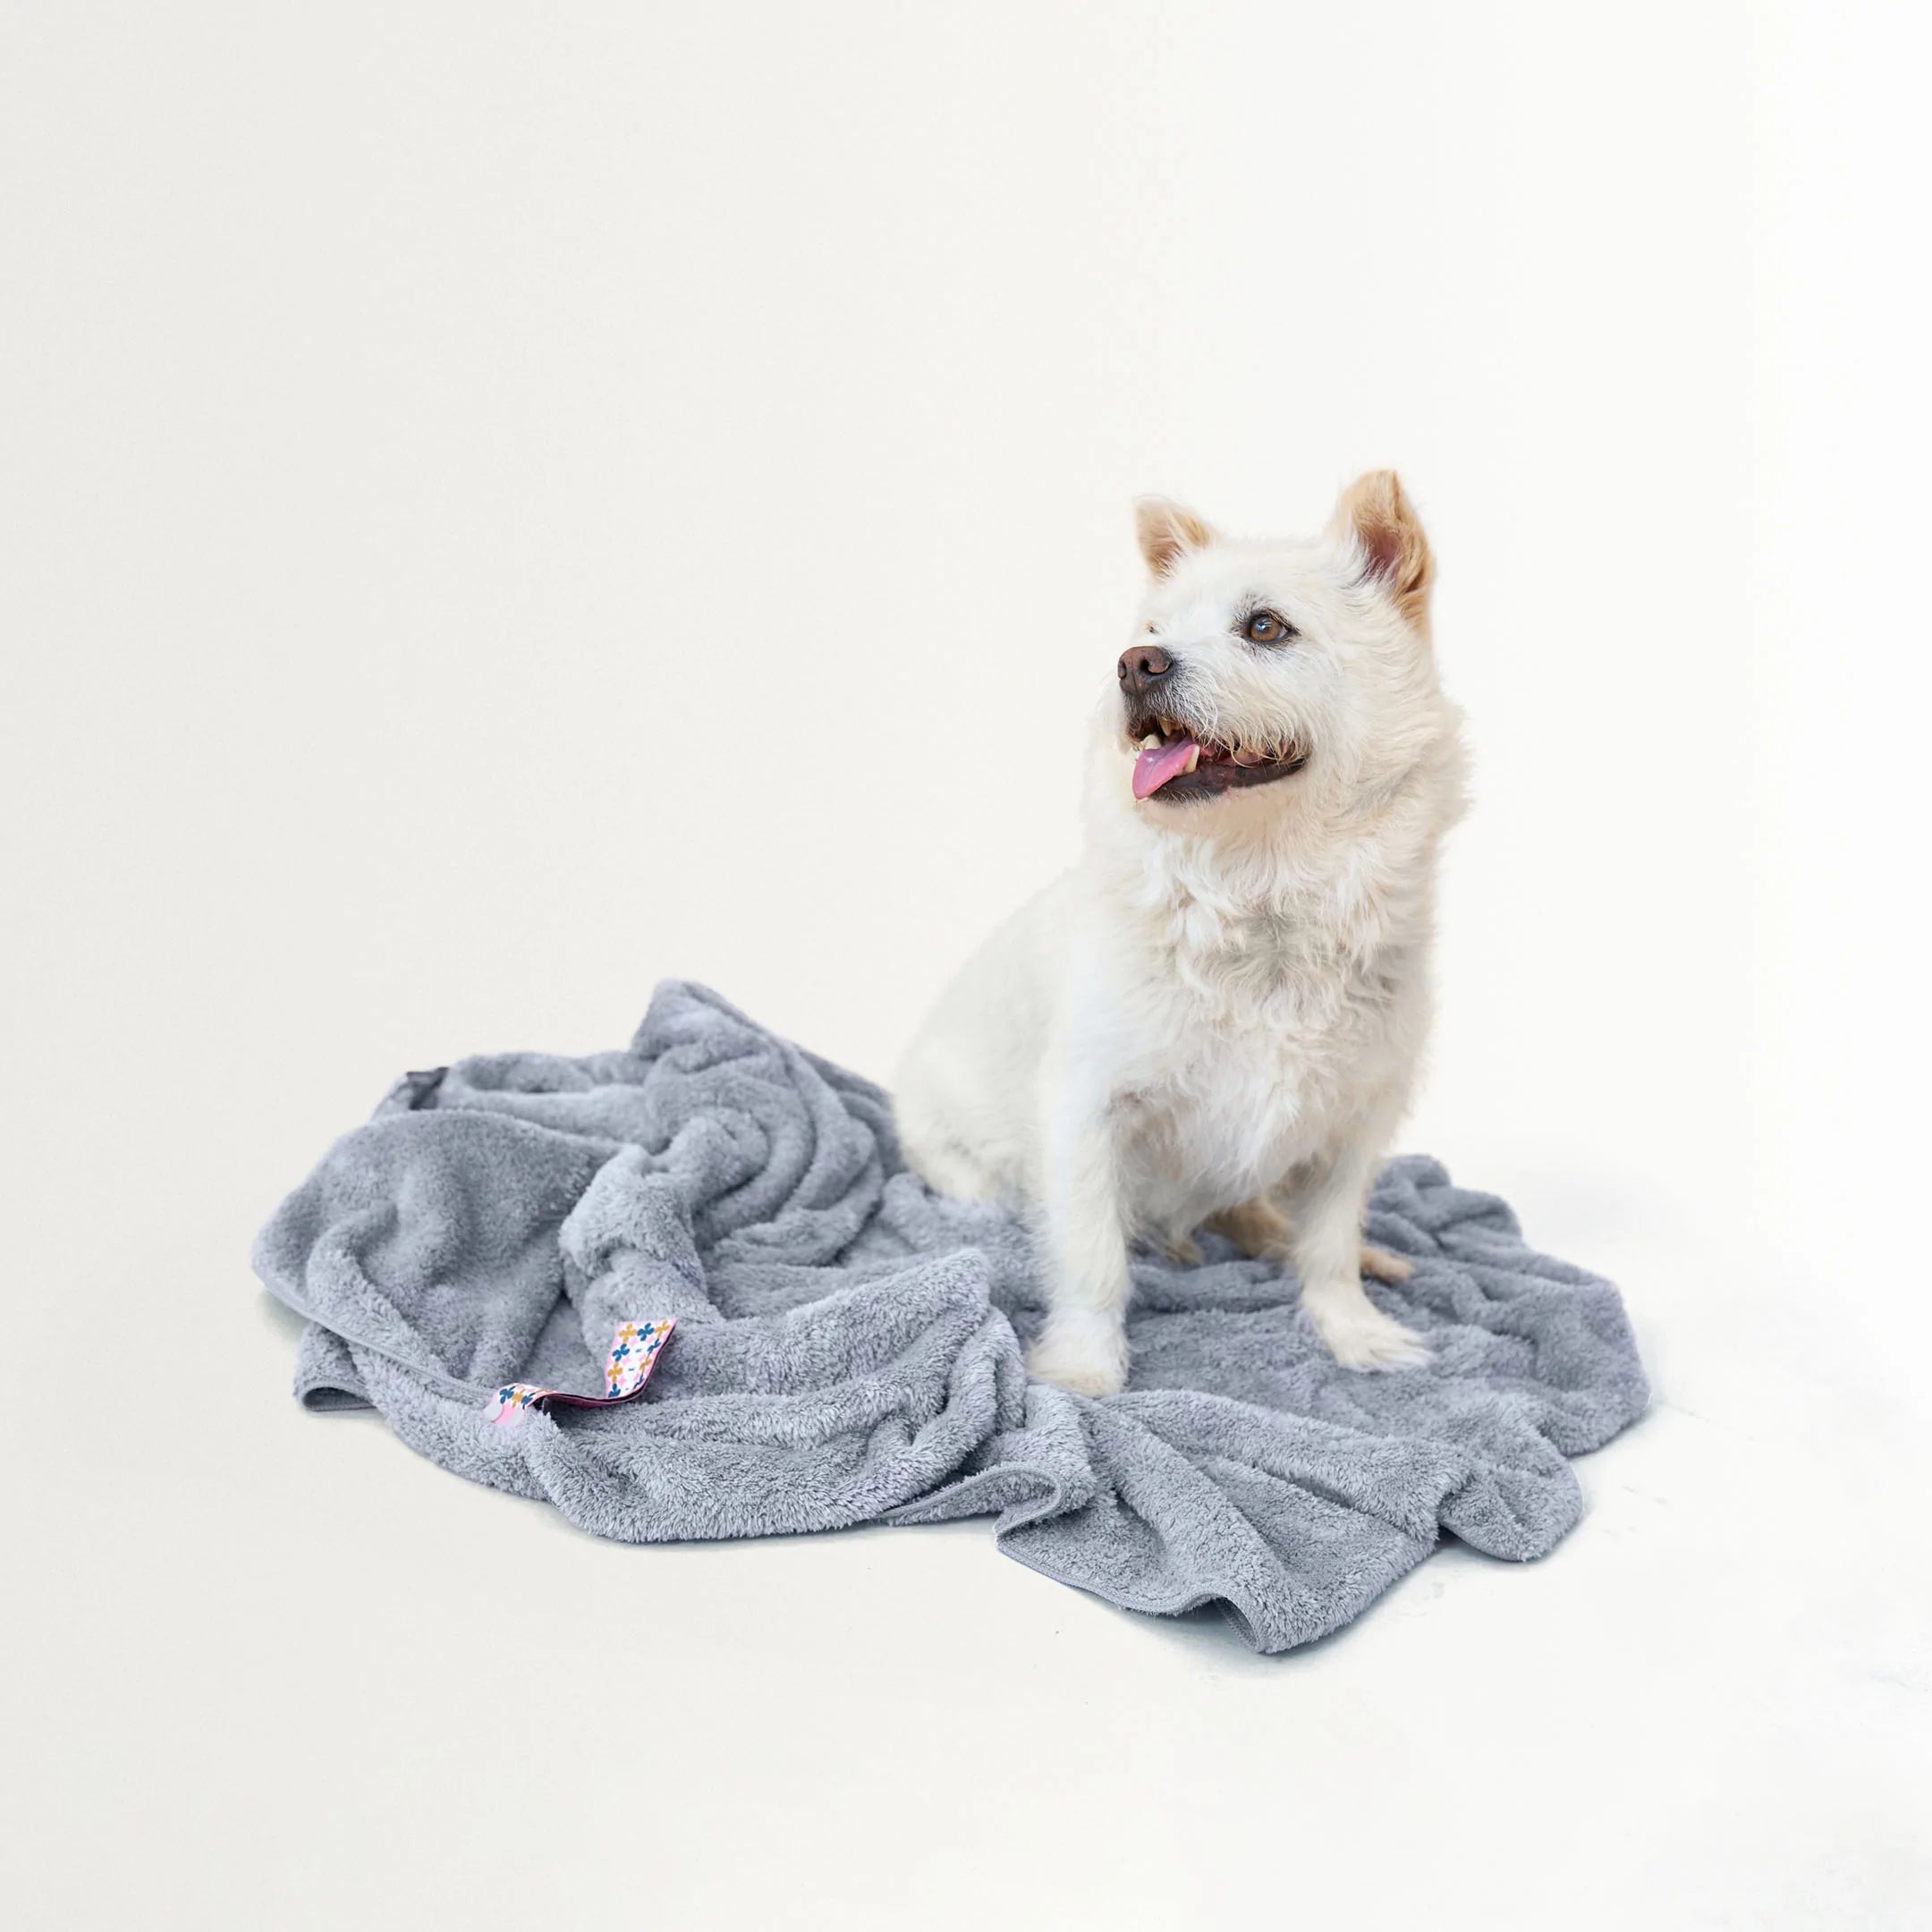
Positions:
{"x": 1325, "y": 1202}
{"x": 1083, "y": 1345}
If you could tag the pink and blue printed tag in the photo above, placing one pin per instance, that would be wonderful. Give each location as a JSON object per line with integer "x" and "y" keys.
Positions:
{"x": 633, "y": 1354}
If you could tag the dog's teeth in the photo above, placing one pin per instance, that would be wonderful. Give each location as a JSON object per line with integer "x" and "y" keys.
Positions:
{"x": 1151, "y": 743}
{"x": 1193, "y": 759}
{"x": 1243, "y": 756}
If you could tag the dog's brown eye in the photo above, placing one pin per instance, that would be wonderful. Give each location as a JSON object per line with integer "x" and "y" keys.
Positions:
{"x": 1265, "y": 628}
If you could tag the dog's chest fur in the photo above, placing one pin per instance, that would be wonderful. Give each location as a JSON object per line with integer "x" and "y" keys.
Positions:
{"x": 1260, "y": 1025}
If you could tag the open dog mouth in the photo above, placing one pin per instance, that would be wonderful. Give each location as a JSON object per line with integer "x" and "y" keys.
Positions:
{"x": 1177, "y": 765}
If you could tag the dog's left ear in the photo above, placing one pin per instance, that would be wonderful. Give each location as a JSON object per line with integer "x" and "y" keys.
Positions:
{"x": 1166, "y": 532}
{"x": 1376, "y": 510}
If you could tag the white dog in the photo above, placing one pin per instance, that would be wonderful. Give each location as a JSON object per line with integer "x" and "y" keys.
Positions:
{"x": 1217, "y": 1018}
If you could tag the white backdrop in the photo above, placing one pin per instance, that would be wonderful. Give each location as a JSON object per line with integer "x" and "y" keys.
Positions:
{"x": 501, "y": 505}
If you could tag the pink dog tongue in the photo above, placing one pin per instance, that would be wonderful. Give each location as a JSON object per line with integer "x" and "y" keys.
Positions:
{"x": 1153, "y": 769}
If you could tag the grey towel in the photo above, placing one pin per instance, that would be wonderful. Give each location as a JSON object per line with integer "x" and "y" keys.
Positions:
{"x": 848, "y": 1345}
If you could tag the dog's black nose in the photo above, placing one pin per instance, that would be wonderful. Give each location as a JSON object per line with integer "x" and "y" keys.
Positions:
{"x": 1142, "y": 668}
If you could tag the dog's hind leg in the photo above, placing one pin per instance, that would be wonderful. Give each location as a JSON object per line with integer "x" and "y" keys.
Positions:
{"x": 948, "y": 1168}
{"x": 942, "y": 1156}
{"x": 1379, "y": 1264}
{"x": 1259, "y": 1228}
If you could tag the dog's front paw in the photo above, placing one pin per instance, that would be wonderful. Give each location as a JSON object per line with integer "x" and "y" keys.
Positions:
{"x": 1081, "y": 1351}
{"x": 1362, "y": 1336}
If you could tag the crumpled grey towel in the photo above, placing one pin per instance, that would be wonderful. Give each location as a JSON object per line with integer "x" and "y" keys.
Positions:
{"x": 848, "y": 1345}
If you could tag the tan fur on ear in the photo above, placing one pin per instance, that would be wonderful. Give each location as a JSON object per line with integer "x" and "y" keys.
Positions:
{"x": 1375, "y": 510}
{"x": 1166, "y": 530}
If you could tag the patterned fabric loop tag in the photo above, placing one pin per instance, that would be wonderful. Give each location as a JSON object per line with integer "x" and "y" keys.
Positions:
{"x": 633, "y": 1354}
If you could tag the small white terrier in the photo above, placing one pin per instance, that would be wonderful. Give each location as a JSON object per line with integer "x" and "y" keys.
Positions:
{"x": 1216, "y": 1019}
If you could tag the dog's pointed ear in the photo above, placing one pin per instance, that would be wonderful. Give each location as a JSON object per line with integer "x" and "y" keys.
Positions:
{"x": 1166, "y": 532}
{"x": 1375, "y": 510}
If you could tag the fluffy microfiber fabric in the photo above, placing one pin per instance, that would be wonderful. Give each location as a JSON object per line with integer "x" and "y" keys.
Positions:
{"x": 850, "y": 1345}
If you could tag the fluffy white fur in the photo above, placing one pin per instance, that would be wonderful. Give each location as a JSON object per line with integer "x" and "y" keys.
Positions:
{"x": 1217, "y": 1016}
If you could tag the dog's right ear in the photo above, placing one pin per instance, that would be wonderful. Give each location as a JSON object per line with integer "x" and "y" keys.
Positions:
{"x": 1166, "y": 532}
